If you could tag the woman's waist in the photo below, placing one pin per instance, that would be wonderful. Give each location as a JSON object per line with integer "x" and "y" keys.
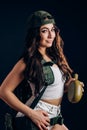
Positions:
{"x": 55, "y": 102}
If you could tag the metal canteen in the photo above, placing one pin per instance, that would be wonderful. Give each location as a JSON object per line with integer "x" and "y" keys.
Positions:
{"x": 75, "y": 90}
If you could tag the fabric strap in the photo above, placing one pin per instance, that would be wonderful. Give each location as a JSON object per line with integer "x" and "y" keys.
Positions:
{"x": 34, "y": 103}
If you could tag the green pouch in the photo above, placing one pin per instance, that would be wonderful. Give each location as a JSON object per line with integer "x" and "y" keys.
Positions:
{"x": 57, "y": 120}
{"x": 48, "y": 73}
{"x": 19, "y": 123}
{"x": 24, "y": 123}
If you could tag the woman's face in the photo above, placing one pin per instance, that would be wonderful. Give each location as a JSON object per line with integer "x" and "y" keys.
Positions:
{"x": 47, "y": 35}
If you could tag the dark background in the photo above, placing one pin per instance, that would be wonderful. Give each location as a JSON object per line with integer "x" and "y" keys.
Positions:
{"x": 71, "y": 18}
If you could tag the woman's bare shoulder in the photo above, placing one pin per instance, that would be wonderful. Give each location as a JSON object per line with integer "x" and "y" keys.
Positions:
{"x": 15, "y": 76}
{"x": 20, "y": 65}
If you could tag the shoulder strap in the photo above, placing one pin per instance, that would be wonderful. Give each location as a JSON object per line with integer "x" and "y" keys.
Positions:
{"x": 34, "y": 103}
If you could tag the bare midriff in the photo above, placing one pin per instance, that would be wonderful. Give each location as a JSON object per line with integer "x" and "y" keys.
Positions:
{"x": 55, "y": 102}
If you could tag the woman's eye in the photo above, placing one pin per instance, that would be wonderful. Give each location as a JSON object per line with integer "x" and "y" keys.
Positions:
{"x": 46, "y": 30}
{"x": 53, "y": 30}
{"x": 43, "y": 31}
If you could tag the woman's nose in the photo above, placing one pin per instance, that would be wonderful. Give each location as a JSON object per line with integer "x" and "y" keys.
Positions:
{"x": 50, "y": 34}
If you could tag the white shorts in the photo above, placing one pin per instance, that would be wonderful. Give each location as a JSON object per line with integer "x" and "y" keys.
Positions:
{"x": 52, "y": 110}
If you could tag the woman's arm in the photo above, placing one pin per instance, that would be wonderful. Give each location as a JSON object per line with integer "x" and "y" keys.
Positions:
{"x": 39, "y": 117}
{"x": 10, "y": 83}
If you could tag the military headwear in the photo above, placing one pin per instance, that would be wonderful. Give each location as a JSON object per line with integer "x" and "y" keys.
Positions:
{"x": 40, "y": 18}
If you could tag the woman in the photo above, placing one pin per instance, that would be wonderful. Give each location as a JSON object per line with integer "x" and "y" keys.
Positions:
{"x": 43, "y": 45}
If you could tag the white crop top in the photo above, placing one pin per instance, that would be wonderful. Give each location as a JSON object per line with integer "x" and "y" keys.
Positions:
{"x": 55, "y": 90}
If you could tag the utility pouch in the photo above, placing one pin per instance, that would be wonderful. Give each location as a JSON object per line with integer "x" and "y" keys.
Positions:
{"x": 57, "y": 120}
{"x": 48, "y": 73}
{"x": 24, "y": 123}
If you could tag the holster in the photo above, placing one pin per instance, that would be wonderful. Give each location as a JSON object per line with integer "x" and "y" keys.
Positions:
{"x": 57, "y": 120}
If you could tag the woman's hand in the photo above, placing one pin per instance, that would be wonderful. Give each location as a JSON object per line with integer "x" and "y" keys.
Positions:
{"x": 67, "y": 84}
{"x": 40, "y": 118}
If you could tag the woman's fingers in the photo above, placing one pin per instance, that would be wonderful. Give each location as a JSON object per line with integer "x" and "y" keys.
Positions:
{"x": 43, "y": 127}
{"x": 41, "y": 119}
{"x": 82, "y": 84}
{"x": 46, "y": 116}
{"x": 45, "y": 113}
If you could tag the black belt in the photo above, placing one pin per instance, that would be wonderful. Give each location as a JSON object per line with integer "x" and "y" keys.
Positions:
{"x": 57, "y": 120}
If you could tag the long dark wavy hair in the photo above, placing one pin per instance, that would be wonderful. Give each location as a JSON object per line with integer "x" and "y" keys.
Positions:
{"x": 32, "y": 57}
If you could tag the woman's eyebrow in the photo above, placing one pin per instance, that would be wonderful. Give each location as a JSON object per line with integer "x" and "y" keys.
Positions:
{"x": 46, "y": 28}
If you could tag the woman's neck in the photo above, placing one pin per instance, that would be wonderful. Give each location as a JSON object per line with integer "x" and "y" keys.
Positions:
{"x": 44, "y": 54}
{"x": 42, "y": 51}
